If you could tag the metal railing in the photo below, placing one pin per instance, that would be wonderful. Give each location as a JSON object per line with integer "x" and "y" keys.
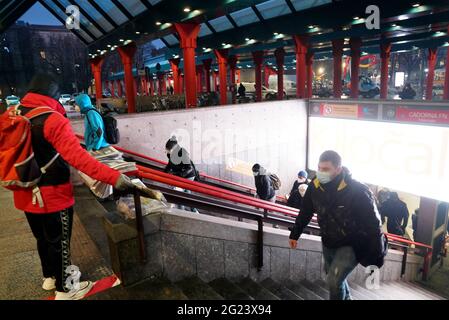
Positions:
{"x": 216, "y": 199}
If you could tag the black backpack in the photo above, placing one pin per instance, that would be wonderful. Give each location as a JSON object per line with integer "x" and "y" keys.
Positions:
{"x": 112, "y": 133}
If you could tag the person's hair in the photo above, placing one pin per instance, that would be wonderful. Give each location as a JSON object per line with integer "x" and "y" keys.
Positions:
{"x": 171, "y": 143}
{"x": 256, "y": 167}
{"x": 394, "y": 196}
{"x": 44, "y": 84}
{"x": 332, "y": 157}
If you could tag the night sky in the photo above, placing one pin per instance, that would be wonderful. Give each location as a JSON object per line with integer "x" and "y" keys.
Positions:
{"x": 39, "y": 15}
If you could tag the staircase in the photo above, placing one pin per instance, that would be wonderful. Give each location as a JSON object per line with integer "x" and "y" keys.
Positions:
{"x": 246, "y": 289}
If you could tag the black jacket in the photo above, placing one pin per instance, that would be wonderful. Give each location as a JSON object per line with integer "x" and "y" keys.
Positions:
{"x": 264, "y": 187}
{"x": 397, "y": 213}
{"x": 347, "y": 213}
{"x": 295, "y": 199}
{"x": 179, "y": 164}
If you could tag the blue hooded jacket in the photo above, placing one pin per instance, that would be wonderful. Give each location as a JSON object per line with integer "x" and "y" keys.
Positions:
{"x": 93, "y": 124}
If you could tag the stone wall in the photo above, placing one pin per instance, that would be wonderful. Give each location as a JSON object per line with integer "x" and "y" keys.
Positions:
{"x": 181, "y": 244}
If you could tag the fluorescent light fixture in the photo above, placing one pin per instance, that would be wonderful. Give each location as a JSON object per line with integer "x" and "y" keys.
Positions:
{"x": 187, "y": 9}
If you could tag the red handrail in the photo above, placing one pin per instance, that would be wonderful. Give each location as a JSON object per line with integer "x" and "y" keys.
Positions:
{"x": 165, "y": 178}
{"x": 201, "y": 174}
{"x": 217, "y": 192}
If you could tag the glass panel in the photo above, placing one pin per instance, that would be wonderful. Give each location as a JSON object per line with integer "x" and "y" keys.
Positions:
{"x": 112, "y": 11}
{"x": 171, "y": 39}
{"x": 244, "y": 17}
{"x": 307, "y": 4}
{"x": 204, "y": 30}
{"x": 273, "y": 8}
{"x": 95, "y": 14}
{"x": 153, "y": 2}
{"x": 63, "y": 16}
{"x": 86, "y": 23}
{"x": 221, "y": 24}
{"x": 134, "y": 6}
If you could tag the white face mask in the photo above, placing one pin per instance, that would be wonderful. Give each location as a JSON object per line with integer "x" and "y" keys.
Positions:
{"x": 255, "y": 173}
{"x": 323, "y": 177}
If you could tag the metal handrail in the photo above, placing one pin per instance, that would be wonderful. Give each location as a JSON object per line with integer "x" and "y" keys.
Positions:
{"x": 203, "y": 175}
{"x": 165, "y": 178}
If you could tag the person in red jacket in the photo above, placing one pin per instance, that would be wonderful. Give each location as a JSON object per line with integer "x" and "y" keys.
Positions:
{"x": 51, "y": 218}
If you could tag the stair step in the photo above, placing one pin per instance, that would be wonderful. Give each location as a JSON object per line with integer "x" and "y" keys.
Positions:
{"x": 356, "y": 295}
{"x": 280, "y": 290}
{"x": 196, "y": 289}
{"x": 302, "y": 291}
{"x": 371, "y": 294}
{"x": 406, "y": 292}
{"x": 152, "y": 289}
{"x": 255, "y": 290}
{"x": 422, "y": 289}
{"x": 229, "y": 290}
{"x": 323, "y": 293}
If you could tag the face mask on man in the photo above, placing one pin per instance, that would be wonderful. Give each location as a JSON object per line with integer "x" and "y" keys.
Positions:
{"x": 323, "y": 177}
{"x": 255, "y": 173}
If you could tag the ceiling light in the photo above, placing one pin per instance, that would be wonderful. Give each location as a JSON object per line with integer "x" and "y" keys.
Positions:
{"x": 158, "y": 23}
{"x": 356, "y": 18}
{"x": 187, "y": 9}
{"x": 416, "y": 5}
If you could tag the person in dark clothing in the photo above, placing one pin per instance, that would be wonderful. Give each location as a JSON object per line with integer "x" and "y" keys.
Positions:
{"x": 242, "y": 90}
{"x": 348, "y": 219}
{"x": 264, "y": 187}
{"x": 396, "y": 213}
{"x": 171, "y": 89}
{"x": 294, "y": 197}
{"x": 180, "y": 164}
{"x": 407, "y": 93}
{"x": 415, "y": 223}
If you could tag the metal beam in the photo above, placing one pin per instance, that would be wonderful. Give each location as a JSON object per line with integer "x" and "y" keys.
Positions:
{"x": 122, "y": 8}
{"x": 61, "y": 7}
{"x": 103, "y": 13}
{"x": 77, "y": 34}
{"x": 89, "y": 18}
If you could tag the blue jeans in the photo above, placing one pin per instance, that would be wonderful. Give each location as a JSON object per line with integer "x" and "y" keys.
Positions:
{"x": 338, "y": 264}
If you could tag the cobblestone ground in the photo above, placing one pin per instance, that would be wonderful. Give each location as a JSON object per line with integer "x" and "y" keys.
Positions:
{"x": 20, "y": 270}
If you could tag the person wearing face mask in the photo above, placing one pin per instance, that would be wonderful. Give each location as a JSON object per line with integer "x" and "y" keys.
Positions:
{"x": 294, "y": 197}
{"x": 349, "y": 222}
{"x": 264, "y": 186}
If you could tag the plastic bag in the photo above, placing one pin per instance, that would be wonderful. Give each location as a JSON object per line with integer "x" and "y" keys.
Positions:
{"x": 126, "y": 206}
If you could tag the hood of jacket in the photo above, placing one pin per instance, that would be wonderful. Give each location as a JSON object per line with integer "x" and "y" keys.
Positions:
{"x": 84, "y": 102}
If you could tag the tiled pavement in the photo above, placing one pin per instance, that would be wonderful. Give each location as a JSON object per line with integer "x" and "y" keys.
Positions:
{"x": 20, "y": 271}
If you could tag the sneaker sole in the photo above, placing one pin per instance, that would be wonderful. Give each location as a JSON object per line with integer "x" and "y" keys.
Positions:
{"x": 81, "y": 293}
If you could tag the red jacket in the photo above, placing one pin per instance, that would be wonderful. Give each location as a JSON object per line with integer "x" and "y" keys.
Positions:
{"x": 58, "y": 132}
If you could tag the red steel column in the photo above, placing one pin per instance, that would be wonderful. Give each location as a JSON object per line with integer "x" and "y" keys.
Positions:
{"x": 207, "y": 63}
{"x": 385, "y": 50}
{"x": 127, "y": 54}
{"x": 232, "y": 61}
{"x": 199, "y": 76}
{"x": 302, "y": 44}
{"x": 96, "y": 64}
{"x": 355, "y": 44}
{"x": 258, "y": 61}
{"x": 431, "y": 62}
{"x": 309, "y": 63}
{"x": 337, "y": 52}
{"x": 222, "y": 60}
{"x": 280, "y": 59}
{"x": 174, "y": 64}
{"x": 188, "y": 33}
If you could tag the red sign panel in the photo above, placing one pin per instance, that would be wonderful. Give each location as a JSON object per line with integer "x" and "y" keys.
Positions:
{"x": 420, "y": 115}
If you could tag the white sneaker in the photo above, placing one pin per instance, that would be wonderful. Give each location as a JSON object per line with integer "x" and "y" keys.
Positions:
{"x": 49, "y": 284}
{"x": 85, "y": 287}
